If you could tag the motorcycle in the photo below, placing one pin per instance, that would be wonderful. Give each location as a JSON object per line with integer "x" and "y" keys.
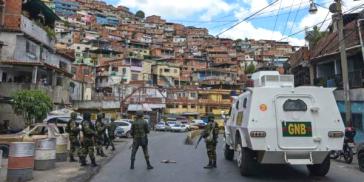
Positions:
{"x": 347, "y": 152}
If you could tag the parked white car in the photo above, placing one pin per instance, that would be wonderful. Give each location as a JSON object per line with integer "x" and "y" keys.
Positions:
{"x": 179, "y": 128}
{"x": 198, "y": 122}
{"x": 161, "y": 126}
{"x": 125, "y": 125}
{"x": 170, "y": 124}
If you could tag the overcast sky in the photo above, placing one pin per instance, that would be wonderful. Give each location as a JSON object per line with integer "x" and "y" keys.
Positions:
{"x": 218, "y": 15}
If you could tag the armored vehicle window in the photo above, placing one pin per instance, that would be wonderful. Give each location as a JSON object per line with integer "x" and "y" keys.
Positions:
{"x": 245, "y": 102}
{"x": 294, "y": 105}
{"x": 237, "y": 105}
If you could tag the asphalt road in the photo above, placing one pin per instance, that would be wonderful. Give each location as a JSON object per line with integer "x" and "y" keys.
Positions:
{"x": 190, "y": 162}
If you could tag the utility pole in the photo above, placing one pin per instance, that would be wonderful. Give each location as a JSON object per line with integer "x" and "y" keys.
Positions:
{"x": 344, "y": 62}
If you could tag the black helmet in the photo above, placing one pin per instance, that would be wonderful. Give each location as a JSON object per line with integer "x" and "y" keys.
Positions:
{"x": 87, "y": 116}
{"x": 73, "y": 115}
{"x": 100, "y": 116}
{"x": 139, "y": 113}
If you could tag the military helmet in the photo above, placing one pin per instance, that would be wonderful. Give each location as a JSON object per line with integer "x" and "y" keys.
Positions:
{"x": 87, "y": 116}
{"x": 139, "y": 113}
{"x": 73, "y": 115}
{"x": 100, "y": 115}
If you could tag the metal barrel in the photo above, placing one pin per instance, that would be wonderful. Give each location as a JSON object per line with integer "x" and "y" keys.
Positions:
{"x": 20, "y": 161}
{"x": 45, "y": 154}
{"x": 61, "y": 148}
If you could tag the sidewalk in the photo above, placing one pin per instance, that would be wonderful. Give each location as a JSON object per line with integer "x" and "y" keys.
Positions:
{"x": 67, "y": 172}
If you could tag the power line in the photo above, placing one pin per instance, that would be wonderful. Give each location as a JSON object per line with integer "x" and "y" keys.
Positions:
{"x": 295, "y": 17}
{"x": 275, "y": 23}
{"x": 289, "y": 15}
{"x": 247, "y": 18}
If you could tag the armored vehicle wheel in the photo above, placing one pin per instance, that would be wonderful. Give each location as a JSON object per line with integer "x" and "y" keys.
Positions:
{"x": 229, "y": 154}
{"x": 320, "y": 169}
{"x": 245, "y": 160}
{"x": 361, "y": 161}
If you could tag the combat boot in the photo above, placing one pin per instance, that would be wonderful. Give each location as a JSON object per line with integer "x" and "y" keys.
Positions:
{"x": 93, "y": 162}
{"x": 83, "y": 161}
{"x": 214, "y": 164}
{"x": 102, "y": 154}
{"x": 209, "y": 166}
{"x": 132, "y": 164}
{"x": 149, "y": 166}
{"x": 72, "y": 159}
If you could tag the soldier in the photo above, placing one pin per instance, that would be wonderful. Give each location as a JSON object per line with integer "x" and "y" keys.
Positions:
{"x": 100, "y": 130}
{"x": 139, "y": 131}
{"x": 88, "y": 144}
{"x": 73, "y": 130}
{"x": 111, "y": 127}
{"x": 210, "y": 134}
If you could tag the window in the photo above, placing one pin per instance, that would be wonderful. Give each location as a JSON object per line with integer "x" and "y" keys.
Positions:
{"x": 245, "y": 102}
{"x": 294, "y": 105}
{"x": 193, "y": 95}
{"x": 73, "y": 70}
{"x": 193, "y": 107}
{"x": 167, "y": 70}
{"x": 31, "y": 49}
{"x": 134, "y": 77}
{"x": 124, "y": 71}
{"x": 184, "y": 106}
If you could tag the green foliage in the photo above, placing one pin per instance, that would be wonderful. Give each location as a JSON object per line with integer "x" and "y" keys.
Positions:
{"x": 140, "y": 14}
{"x": 314, "y": 36}
{"x": 250, "y": 69}
{"x": 32, "y": 105}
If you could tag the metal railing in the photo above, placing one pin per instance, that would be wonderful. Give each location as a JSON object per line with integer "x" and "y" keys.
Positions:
{"x": 356, "y": 80}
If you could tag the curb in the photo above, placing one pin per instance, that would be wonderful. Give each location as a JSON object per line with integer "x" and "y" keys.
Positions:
{"x": 92, "y": 171}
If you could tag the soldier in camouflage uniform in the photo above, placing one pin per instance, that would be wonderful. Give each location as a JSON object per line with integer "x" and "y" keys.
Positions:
{"x": 100, "y": 130}
{"x": 111, "y": 127}
{"x": 73, "y": 130}
{"x": 139, "y": 131}
{"x": 210, "y": 134}
{"x": 88, "y": 144}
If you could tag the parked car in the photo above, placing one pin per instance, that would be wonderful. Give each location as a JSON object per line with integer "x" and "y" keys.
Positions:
{"x": 199, "y": 123}
{"x": 170, "y": 124}
{"x": 125, "y": 124}
{"x": 161, "y": 126}
{"x": 119, "y": 132}
{"x": 30, "y": 134}
{"x": 179, "y": 128}
{"x": 361, "y": 156}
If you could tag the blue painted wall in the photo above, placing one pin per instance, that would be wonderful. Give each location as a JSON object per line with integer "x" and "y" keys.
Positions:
{"x": 357, "y": 108}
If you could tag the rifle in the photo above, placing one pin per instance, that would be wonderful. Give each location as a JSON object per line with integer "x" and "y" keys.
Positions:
{"x": 198, "y": 141}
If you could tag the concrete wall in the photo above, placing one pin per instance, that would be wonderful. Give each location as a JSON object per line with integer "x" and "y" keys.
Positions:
{"x": 6, "y": 113}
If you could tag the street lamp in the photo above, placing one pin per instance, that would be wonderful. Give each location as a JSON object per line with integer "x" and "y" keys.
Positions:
{"x": 313, "y": 7}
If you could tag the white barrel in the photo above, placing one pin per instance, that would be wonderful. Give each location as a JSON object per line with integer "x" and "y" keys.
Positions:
{"x": 61, "y": 148}
{"x": 45, "y": 154}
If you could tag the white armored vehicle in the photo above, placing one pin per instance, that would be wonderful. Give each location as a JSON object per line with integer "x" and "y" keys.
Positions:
{"x": 276, "y": 123}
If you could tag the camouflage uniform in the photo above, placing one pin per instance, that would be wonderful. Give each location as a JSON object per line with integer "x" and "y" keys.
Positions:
{"x": 111, "y": 134}
{"x": 211, "y": 141}
{"x": 139, "y": 131}
{"x": 73, "y": 130}
{"x": 100, "y": 130}
{"x": 89, "y": 133}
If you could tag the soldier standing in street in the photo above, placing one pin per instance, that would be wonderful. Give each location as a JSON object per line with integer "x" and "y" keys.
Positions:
{"x": 73, "y": 130}
{"x": 89, "y": 134}
{"x": 210, "y": 134}
{"x": 139, "y": 131}
{"x": 111, "y": 127}
{"x": 100, "y": 130}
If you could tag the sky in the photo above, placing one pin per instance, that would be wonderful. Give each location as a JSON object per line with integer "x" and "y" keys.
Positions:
{"x": 278, "y": 22}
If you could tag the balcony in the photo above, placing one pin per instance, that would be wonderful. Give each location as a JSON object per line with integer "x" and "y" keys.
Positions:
{"x": 36, "y": 32}
{"x": 356, "y": 80}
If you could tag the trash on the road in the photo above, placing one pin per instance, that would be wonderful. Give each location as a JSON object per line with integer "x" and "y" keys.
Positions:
{"x": 168, "y": 161}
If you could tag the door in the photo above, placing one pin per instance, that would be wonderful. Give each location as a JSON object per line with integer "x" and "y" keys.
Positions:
{"x": 295, "y": 122}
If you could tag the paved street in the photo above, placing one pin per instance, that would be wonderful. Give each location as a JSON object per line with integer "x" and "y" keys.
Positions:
{"x": 190, "y": 162}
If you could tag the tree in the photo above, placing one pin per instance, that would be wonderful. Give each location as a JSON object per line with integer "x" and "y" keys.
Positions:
{"x": 140, "y": 14}
{"x": 250, "y": 69}
{"x": 32, "y": 105}
{"x": 314, "y": 36}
